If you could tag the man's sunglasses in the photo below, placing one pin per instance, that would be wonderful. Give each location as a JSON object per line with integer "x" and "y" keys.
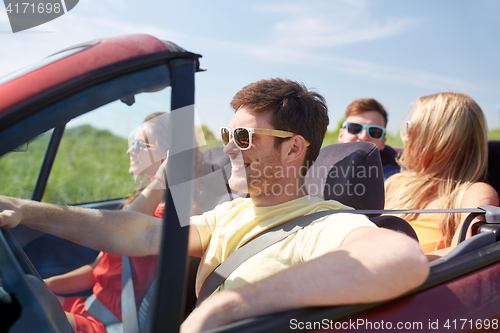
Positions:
{"x": 374, "y": 132}
{"x": 137, "y": 145}
{"x": 243, "y": 135}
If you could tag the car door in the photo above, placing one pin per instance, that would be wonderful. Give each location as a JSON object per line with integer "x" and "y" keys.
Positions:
{"x": 71, "y": 114}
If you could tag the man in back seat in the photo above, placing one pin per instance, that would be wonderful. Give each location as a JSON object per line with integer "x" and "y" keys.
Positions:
{"x": 366, "y": 120}
{"x": 274, "y": 136}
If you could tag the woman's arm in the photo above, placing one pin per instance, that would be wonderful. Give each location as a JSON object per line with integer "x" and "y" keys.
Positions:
{"x": 479, "y": 194}
{"x": 147, "y": 201}
{"x": 75, "y": 281}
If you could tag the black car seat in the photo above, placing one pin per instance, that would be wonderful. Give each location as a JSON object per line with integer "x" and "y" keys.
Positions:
{"x": 388, "y": 156}
{"x": 351, "y": 173}
{"x": 493, "y": 178}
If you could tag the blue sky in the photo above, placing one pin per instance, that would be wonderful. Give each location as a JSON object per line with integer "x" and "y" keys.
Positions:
{"x": 393, "y": 51}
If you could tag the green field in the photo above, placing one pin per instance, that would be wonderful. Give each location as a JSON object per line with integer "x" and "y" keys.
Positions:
{"x": 91, "y": 165}
{"x": 494, "y": 134}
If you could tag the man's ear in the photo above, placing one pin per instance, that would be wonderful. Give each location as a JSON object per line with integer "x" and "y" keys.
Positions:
{"x": 341, "y": 134}
{"x": 294, "y": 149}
{"x": 383, "y": 142}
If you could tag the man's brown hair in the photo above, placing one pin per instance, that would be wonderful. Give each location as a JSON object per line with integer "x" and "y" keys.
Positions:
{"x": 363, "y": 105}
{"x": 294, "y": 109}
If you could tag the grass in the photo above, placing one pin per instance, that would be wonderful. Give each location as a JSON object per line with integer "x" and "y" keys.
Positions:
{"x": 494, "y": 134}
{"x": 19, "y": 170}
{"x": 91, "y": 165}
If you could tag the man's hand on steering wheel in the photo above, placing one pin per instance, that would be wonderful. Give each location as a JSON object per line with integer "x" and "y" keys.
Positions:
{"x": 10, "y": 215}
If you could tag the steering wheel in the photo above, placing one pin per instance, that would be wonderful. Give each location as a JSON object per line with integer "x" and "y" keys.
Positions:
{"x": 41, "y": 311}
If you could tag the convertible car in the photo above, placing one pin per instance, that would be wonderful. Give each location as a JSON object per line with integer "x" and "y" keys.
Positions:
{"x": 63, "y": 127}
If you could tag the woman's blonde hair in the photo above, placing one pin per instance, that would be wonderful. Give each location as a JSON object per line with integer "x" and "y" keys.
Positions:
{"x": 445, "y": 153}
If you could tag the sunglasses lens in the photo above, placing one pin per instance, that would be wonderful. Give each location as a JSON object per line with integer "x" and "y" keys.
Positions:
{"x": 242, "y": 137}
{"x": 134, "y": 144}
{"x": 354, "y": 129}
{"x": 375, "y": 133}
{"x": 224, "y": 132}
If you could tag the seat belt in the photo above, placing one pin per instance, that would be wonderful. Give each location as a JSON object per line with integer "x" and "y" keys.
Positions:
{"x": 280, "y": 232}
{"x": 129, "y": 322}
{"x": 129, "y": 310}
{"x": 101, "y": 312}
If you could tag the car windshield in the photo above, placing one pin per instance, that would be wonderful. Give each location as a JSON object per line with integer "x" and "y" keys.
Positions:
{"x": 92, "y": 163}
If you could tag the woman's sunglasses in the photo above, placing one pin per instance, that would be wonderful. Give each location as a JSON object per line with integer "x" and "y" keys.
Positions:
{"x": 374, "y": 132}
{"x": 243, "y": 135}
{"x": 137, "y": 145}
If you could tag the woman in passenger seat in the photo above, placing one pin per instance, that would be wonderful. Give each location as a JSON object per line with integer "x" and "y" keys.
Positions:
{"x": 147, "y": 151}
{"x": 443, "y": 165}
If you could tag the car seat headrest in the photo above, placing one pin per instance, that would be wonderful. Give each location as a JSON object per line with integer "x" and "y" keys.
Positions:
{"x": 388, "y": 156}
{"x": 350, "y": 173}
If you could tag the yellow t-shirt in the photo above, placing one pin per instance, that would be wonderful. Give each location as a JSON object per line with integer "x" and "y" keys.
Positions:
{"x": 232, "y": 224}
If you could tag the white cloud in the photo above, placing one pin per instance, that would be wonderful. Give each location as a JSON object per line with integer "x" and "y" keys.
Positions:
{"x": 310, "y": 32}
{"x": 320, "y": 24}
